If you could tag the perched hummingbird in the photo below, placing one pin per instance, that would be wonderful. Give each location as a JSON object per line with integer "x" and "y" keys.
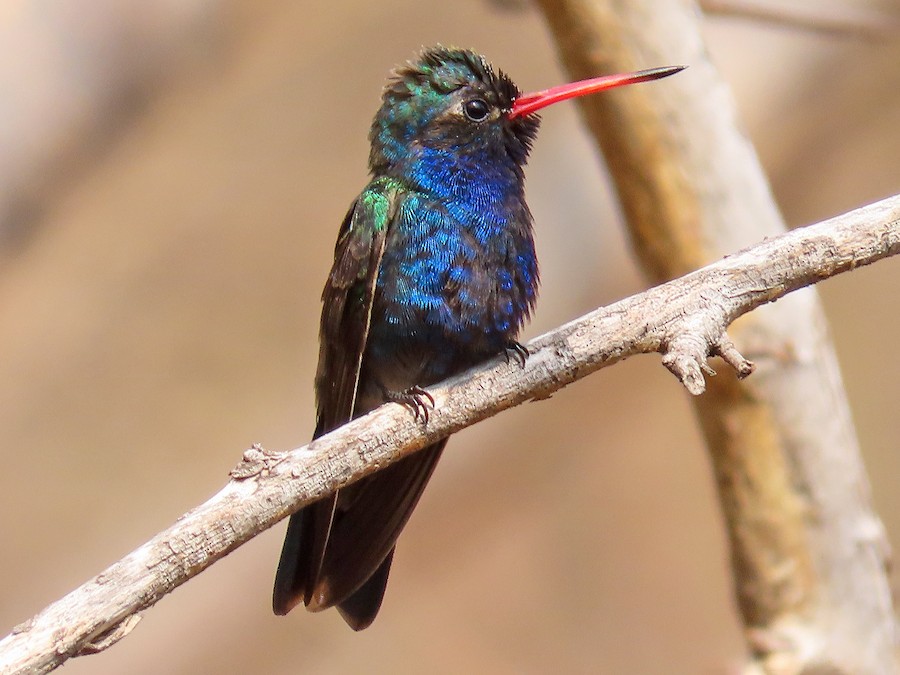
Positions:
{"x": 434, "y": 271}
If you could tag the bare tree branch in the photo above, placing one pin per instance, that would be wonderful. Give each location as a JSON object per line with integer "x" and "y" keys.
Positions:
{"x": 684, "y": 320}
{"x": 833, "y": 20}
{"x": 808, "y": 552}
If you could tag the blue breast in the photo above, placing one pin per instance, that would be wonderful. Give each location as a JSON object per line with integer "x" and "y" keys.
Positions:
{"x": 459, "y": 269}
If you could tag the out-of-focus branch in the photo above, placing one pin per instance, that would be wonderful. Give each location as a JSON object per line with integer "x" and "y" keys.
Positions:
{"x": 833, "y": 20}
{"x": 71, "y": 78}
{"x": 808, "y": 552}
{"x": 685, "y": 320}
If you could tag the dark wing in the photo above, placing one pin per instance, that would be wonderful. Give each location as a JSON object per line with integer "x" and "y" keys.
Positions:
{"x": 347, "y": 306}
{"x": 346, "y": 314}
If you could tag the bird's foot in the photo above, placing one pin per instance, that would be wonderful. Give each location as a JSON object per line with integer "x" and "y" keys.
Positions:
{"x": 415, "y": 398}
{"x": 517, "y": 350}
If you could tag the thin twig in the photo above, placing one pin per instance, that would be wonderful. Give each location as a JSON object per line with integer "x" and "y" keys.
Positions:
{"x": 685, "y": 320}
{"x": 836, "y": 21}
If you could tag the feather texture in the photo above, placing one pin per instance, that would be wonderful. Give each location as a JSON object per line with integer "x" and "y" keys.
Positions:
{"x": 434, "y": 270}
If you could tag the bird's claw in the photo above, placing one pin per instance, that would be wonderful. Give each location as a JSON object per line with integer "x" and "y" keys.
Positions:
{"x": 518, "y": 351}
{"x": 416, "y": 399}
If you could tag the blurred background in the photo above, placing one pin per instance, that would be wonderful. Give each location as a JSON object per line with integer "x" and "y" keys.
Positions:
{"x": 172, "y": 177}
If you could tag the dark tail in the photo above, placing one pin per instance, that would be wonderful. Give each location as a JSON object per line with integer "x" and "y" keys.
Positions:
{"x": 338, "y": 551}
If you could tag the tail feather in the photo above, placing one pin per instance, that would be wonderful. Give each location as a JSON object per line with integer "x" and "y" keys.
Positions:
{"x": 302, "y": 555}
{"x": 361, "y": 608}
{"x": 338, "y": 551}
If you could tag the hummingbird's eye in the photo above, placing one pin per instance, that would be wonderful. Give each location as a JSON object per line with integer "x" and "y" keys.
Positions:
{"x": 476, "y": 109}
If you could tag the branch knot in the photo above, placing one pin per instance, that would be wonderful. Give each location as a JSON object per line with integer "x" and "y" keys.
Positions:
{"x": 686, "y": 357}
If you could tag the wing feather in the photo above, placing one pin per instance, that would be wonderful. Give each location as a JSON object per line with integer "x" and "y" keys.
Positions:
{"x": 338, "y": 551}
{"x": 346, "y": 317}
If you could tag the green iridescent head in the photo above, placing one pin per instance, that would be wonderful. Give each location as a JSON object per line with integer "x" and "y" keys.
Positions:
{"x": 448, "y": 99}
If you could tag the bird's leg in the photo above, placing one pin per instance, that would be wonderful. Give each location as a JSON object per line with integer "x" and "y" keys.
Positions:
{"x": 517, "y": 350}
{"x": 415, "y": 398}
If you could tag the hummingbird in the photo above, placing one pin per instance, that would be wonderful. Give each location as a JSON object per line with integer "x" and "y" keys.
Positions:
{"x": 434, "y": 271}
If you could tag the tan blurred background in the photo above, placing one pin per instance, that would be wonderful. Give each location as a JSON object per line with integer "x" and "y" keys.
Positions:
{"x": 172, "y": 177}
